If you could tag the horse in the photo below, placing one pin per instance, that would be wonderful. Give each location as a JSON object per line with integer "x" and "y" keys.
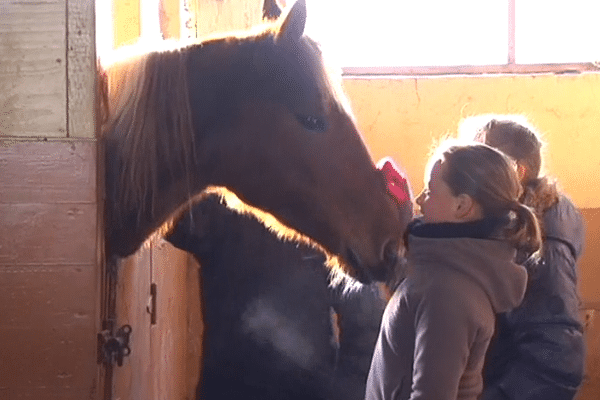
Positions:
{"x": 259, "y": 114}
{"x": 275, "y": 329}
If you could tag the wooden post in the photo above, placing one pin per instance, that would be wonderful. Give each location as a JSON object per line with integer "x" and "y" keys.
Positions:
{"x": 50, "y": 241}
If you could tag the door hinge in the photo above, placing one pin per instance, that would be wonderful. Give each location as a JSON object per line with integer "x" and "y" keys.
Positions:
{"x": 151, "y": 306}
{"x": 114, "y": 347}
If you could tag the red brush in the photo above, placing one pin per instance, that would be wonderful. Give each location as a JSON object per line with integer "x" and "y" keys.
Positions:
{"x": 397, "y": 184}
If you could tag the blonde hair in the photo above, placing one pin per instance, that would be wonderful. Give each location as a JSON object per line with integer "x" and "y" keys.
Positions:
{"x": 489, "y": 177}
{"x": 516, "y": 137}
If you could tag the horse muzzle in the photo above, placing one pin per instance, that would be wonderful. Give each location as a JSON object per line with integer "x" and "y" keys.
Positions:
{"x": 381, "y": 272}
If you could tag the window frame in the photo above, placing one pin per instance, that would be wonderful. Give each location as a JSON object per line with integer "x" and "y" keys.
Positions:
{"x": 566, "y": 68}
{"x": 511, "y": 67}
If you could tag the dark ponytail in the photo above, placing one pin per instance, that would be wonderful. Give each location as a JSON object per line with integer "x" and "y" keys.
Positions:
{"x": 525, "y": 232}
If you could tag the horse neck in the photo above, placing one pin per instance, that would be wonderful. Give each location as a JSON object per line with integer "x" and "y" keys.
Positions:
{"x": 129, "y": 229}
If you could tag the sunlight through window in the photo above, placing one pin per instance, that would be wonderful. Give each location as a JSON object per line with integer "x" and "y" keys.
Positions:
{"x": 453, "y": 33}
{"x": 557, "y": 32}
{"x": 409, "y": 33}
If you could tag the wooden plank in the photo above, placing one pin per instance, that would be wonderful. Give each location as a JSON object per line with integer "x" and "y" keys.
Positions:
{"x": 424, "y": 71}
{"x": 47, "y": 234}
{"x": 189, "y": 23}
{"x": 222, "y": 16}
{"x": 591, "y": 382}
{"x": 47, "y": 331}
{"x": 81, "y": 67}
{"x": 47, "y": 193}
{"x": 49, "y": 271}
{"x": 589, "y": 273}
{"x": 195, "y": 326}
{"x": 126, "y": 25}
{"x": 165, "y": 357}
{"x": 33, "y": 68}
{"x": 45, "y": 393}
{"x": 47, "y": 172}
{"x": 170, "y": 18}
{"x": 169, "y": 336}
{"x": 134, "y": 380}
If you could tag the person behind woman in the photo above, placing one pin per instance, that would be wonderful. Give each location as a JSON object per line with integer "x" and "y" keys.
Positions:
{"x": 538, "y": 351}
{"x": 437, "y": 326}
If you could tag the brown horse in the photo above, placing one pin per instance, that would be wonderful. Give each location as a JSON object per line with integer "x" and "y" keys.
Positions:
{"x": 258, "y": 113}
{"x": 274, "y": 327}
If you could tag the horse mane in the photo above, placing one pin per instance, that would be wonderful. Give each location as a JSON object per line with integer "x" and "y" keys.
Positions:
{"x": 145, "y": 110}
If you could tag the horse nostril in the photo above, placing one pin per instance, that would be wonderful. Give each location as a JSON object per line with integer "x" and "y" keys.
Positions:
{"x": 390, "y": 253}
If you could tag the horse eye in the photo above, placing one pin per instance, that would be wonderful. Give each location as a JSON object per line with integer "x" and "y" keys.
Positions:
{"x": 312, "y": 123}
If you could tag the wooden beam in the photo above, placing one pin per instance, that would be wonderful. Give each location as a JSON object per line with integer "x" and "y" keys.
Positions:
{"x": 81, "y": 67}
{"x": 388, "y": 72}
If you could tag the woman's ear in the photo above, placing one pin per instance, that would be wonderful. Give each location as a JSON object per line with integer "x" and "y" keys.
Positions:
{"x": 466, "y": 208}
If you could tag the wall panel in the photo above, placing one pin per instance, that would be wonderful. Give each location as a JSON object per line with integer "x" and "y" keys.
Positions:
{"x": 403, "y": 117}
{"x": 49, "y": 276}
{"x": 33, "y": 76}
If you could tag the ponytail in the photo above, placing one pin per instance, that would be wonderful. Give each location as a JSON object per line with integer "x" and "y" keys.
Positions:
{"x": 525, "y": 233}
{"x": 540, "y": 194}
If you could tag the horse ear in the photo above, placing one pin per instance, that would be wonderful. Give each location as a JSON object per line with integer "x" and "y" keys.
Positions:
{"x": 292, "y": 27}
{"x": 271, "y": 10}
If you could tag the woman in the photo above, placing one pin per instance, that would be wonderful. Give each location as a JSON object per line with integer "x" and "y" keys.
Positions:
{"x": 538, "y": 351}
{"x": 437, "y": 326}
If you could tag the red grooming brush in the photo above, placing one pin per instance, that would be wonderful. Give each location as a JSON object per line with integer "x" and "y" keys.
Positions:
{"x": 397, "y": 184}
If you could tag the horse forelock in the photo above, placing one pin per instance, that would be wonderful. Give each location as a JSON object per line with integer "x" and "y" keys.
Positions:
{"x": 148, "y": 116}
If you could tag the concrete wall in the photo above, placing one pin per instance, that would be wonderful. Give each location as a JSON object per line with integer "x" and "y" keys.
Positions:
{"x": 404, "y": 117}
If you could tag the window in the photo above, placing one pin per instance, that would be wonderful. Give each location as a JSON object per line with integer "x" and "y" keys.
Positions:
{"x": 557, "y": 32}
{"x": 459, "y": 35}
{"x": 417, "y": 33}
{"x": 416, "y": 37}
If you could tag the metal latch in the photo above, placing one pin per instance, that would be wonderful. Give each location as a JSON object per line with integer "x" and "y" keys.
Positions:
{"x": 115, "y": 347}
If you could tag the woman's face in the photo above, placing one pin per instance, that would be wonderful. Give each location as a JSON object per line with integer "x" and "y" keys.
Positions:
{"x": 436, "y": 202}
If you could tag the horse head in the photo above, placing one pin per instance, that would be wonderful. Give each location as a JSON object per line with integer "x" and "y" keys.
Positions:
{"x": 290, "y": 146}
{"x": 261, "y": 114}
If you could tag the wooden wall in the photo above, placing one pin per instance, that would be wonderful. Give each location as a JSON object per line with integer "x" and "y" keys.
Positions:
{"x": 49, "y": 230}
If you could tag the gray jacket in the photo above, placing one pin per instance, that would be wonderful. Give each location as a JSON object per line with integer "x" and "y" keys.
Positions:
{"x": 538, "y": 351}
{"x": 438, "y": 324}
